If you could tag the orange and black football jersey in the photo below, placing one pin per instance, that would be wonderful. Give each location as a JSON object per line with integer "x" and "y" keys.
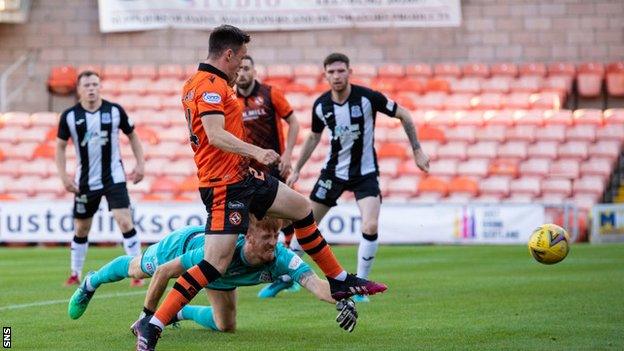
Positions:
{"x": 208, "y": 93}
{"x": 263, "y": 112}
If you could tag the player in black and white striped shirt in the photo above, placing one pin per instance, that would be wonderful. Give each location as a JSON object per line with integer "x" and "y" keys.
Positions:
{"x": 349, "y": 112}
{"x": 93, "y": 125}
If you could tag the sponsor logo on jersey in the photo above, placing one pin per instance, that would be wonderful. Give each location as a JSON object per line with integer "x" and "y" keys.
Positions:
{"x": 295, "y": 262}
{"x": 235, "y": 218}
{"x": 106, "y": 118}
{"x": 356, "y": 111}
{"x": 189, "y": 96}
{"x": 321, "y": 193}
{"x": 236, "y": 205}
{"x": 265, "y": 277}
{"x": 259, "y": 100}
{"x": 211, "y": 98}
{"x": 79, "y": 122}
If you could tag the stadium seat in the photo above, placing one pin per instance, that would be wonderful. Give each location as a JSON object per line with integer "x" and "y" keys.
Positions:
{"x": 553, "y": 133}
{"x": 443, "y": 168}
{"x": 437, "y": 85}
{"x": 164, "y": 86}
{"x": 39, "y": 167}
{"x": 389, "y": 166}
{"x": 546, "y": 100}
{"x": 597, "y": 166}
{"x": 504, "y": 69}
{"x": 135, "y": 86}
{"x": 537, "y": 167}
{"x": 536, "y": 69}
{"x": 513, "y": 150}
{"x": 558, "y": 117}
{"x": 517, "y": 100}
{"x": 363, "y": 70}
{"x": 504, "y": 167}
{"x": 491, "y": 133}
{"x": 15, "y": 119}
{"x": 476, "y": 70}
{"x": 144, "y": 71}
{"x": 458, "y": 102}
{"x": 605, "y": 148}
{"x": 405, "y": 185}
{"x": 586, "y": 201}
{"x": 473, "y": 168}
{"x": 164, "y": 184}
{"x": 433, "y": 185}
{"x": 445, "y": 119}
{"x": 585, "y": 133}
{"x": 115, "y": 71}
{"x": 566, "y": 69}
{"x": 487, "y": 101}
{"x": 391, "y": 70}
{"x": 171, "y": 71}
{"x": 463, "y": 185}
{"x": 611, "y": 132}
{"x": 615, "y": 78}
{"x": 573, "y": 149}
{"x": 398, "y": 151}
{"x": 527, "y": 84}
{"x": 588, "y": 185}
{"x": 447, "y": 70}
{"x": 452, "y": 150}
{"x": 431, "y": 133}
{"x": 501, "y": 118}
{"x": 614, "y": 116}
{"x": 589, "y": 79}
{"x": 461, "y": 133}
{"x": 495, "y": 186}
{"x": 521, "y": 198}
{"x": 45, "y": 119}
{"x": 44, "y": 150}
{"x": 470, "y": 85}
{"x": 560, "y": 85}
{"x": 543, "y": 149}
{"x": 588, "y": 116}
{"x": 111, "y": 88}
{"x": 419, "y": 70}
{"x": 62, "y": 80}
{"x": 501, "y": 85}
{"x": 534, "y": 118}
{"x": 482, "y": 149}
{"x": 557, "y": 186}
{"x": 565, "y": 168}
{"x": 385, "y": 85}
{"x": 526, "y": 185}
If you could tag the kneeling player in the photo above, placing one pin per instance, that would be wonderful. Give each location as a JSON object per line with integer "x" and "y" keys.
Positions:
{"x": 256, "y": 260}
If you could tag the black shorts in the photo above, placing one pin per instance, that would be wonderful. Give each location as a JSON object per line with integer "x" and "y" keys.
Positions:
{"x": 87, "y": 203}
{"x": 329, "y": 188}
{"x": 229, "y": 206}
{"x": 276, "y": 173}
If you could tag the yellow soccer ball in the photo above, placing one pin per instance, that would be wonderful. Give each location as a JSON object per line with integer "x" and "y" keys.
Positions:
{"x": 549, "y": 244}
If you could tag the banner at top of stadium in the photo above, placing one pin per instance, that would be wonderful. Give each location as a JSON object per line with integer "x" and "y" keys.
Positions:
{"x": 271, "y": 15}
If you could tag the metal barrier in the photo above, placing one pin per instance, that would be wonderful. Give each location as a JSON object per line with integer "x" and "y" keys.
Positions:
{"x": 6, "y": 95}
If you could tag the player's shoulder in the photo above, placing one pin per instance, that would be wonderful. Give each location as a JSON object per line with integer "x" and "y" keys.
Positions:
{"x": 69, "y": 110}
{"x": 324, "y": 98}
{"x": 112, "y": 104}
{"x": 362, "y": 90}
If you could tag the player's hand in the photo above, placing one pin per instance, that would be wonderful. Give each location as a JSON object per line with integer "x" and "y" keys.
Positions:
{"x": 285, "y": 166}
{"x": 138, "y": 173}
{"x": 347, "y": 315}
{"x": 70, "y": 186}
{"x": 422, "y": 160}
{"x": 292, "y": 178}
{"x": 267, "y": 157}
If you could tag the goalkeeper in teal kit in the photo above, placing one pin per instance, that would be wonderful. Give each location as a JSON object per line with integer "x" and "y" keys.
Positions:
{"x": 257, "y": 259}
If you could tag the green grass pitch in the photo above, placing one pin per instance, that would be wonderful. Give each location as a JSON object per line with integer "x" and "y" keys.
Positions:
{"x": 439, "y": 298}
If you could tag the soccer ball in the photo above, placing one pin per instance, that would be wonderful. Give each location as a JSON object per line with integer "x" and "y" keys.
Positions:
{"x": 549, "y": 244}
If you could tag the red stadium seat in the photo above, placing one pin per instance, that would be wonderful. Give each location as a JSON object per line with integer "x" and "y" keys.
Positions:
{"x": 527, "y": 84}
{"x": 605, "y": 148}
{"x": 458, "y": 102}
{"x": 408, "y": 168}
{"x": 391, "y": 70}
{"x": 385, "y": 84}
{"x": 446, "y": 70}
{"x": 610, "y": 132}
{"x": 470, "y": 85}
{"x": 552, "y": 133}
{"x": 504, "y": 118}
{"x": 44, "y": 150}
{"x": 517, "y": 100}
{"x": 558, "y": 117}
{"x": 463, "y": 133}
{"x": 597, "y": 166}
{"x": 546, "y": 100}
{"x": 453, "y": 150}
{"x": 469, "y": 118}
{"x": 566, "y": 69}
{"x": 513, "y": 150}
{"x": 565, "y": 168}
{"x": 557, "y": 186}
{"x": 487, "y": 101}
{"x": 504, "y": 167}
{"x": 443, "y": 168}
{"x": 491, "y": 133}
{"x": 431, "y": 101}
{"x": 614, "y": 116}
{"x": 535, "y": 167}
{"x": 521, "y": 133}
{"x": 497, "y": 85}
{"x": 164, "y": 185}
{"x": 589, "y": 185}
{"x": 483, "y": 149}
{"x": 364, "y": 70}
{"x": 144, "y": 71}
{"x": 589, "y": 79}
{"x": 585, "y": 133}
{"x": 431, "y": 133}
{"x": 62, "y": 80}
{"x": 476, "y": 70}
{"x": 171, "y": 71}
{"x": 588, "y": 116}
{"x": 533, "y": 118}
{"x": 473, "y": 168}
{"x": 543, "y": 149}
{"x": 437, "y": 85}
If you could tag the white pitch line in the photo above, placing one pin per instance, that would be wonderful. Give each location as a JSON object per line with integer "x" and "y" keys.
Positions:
{"x": 54, "y": 302}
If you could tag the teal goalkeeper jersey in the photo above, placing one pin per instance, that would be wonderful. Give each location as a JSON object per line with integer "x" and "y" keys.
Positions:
{"x": 241, "y": 273}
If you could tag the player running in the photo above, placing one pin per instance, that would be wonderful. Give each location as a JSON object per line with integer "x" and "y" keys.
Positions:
{"x": 349, "y": 112}
{"x": 231, "y": 191}
{"x": 257, "y": 259}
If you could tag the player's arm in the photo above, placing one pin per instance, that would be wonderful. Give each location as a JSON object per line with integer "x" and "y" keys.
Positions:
{"x": 422, "y": 160}
{"x": 159, "y": 281}
{"x": 61, "y": 164}
{"x": 137, "y": 149}
{"x": 291, "y": 139}
{"x": 347, "y": 315}
{"x": 217, "y": 136}
{"x": 310, "y": 144}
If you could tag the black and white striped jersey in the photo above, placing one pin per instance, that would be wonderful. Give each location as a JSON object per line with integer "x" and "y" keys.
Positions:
{"x": 96, "y": 138}
{"x": 351, "y": 130}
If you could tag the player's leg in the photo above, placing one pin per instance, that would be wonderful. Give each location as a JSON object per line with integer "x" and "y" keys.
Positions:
{"x": 219, "y": 316}
{"x": 367, "y": 250}
{"x": 85, "y": 206}
{"x": 292, "y": 205}
{"x": 222, "y": 227}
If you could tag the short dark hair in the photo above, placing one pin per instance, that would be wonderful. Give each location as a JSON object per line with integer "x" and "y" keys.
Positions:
{"x": 226, "y": 37}
{"x": 336, "y": 57}
{"x": 247, "y": 57}
{"x": 86, "y": 73}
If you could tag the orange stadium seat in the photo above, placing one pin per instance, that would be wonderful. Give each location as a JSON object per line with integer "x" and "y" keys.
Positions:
{"x": 476, "y": 70}
{"x": 615, "y": 79}
{"x": 392, "y": 150}
{"x": 144, "y": 71}
{"x": 391, "y": 70}
{"x": 463, "y": 185}
{"x": 385, "y": 85}
{"x": 419, "y": 70}
{"x": 164, "y": 184}
{"x": 171, "y": 71}
{"x": 589, "y": 79}
{"x": 2, "y": 155}
{"x": 116, "y": 71}
{"x": 431, "y": 133}
{"x": 47, "y": 119}
{"x": 433, "y": 185}
{"x": 437, "y": 85}
{"x": 389, "y": 166}
{"x": 147, "y": 134}
{"x": 504, "y": 69}
{"x": 44, "y": 150}
{"x": 62, "y": 80}
{"x": 495, "y": 186}
{"x": 526, "y": 185}
{"x": 504, "y": 167}
{"x": 537, "y": 69}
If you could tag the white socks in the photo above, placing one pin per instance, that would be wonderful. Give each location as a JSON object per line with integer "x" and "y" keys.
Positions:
{"x": 79, "y": 248}
{"x": 366, "y": 254}
{"x": 131, "y": 243}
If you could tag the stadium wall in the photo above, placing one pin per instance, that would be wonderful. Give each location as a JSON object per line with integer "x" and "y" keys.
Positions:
{"x": 66, "y": 31}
